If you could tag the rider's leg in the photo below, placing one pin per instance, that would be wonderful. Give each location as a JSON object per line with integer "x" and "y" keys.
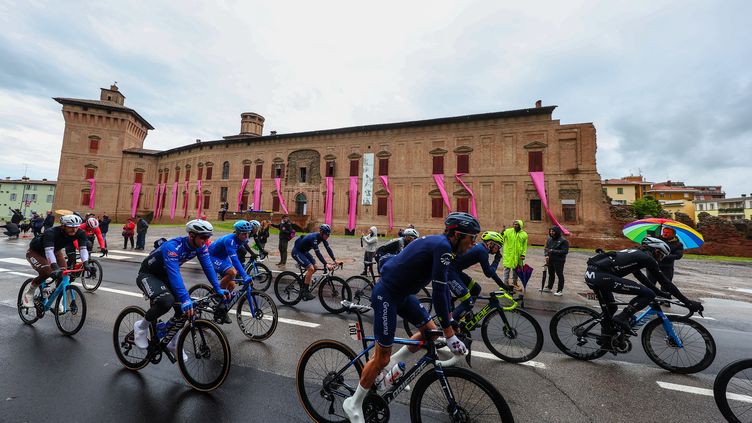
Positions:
{"x": 460, "y": 291}
{"x": 40, "y": 264}
{"x": 306, "y": 291}
{"x": 228, "y": 279}
{"x": 160, "y": 301}
{"x": 644, "y": 296}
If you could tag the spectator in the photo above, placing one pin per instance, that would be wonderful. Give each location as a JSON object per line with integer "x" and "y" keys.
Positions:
{"x": 668, "y": 235}
{"x": 128, "y": 229}
{"x": 515, "y": 248}
{"x": 37, "y": 223}
{"x": 262, "y": 237}
{"x": 11, "y": 229}
{"x": 557, "y": 248}
{"x": 223, "y": 210}
{"x": 141, "y": 227}
{"x": 104, "y": 226}
{"x": 369, "y": 239}
{"x": 49, "y": 220}
{"x": 17, "y": 216}
{"x": 286, "y": 233}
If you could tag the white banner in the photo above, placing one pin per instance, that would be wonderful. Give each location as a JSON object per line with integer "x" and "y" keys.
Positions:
{"x": 367, "y": 191}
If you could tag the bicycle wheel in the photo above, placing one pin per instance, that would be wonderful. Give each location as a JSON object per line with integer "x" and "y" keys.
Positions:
{"x": 28, "y": 315}
{"x": 73, "y": 305}
{"x": 521, "y": 340}
{"x": 132, "y": 357}
{"x": 732, "y": 391}
{"x": 428, "y": 305}
{"x": 201, "y": 290}
{"x": 321, "y": 388}
{"x": 569, "y": 331}
{"x": 91, "y": 281}
{"x": 331, "y": 293}
{"x": 287, "y": 288}
{"x": 260, "y": 323}
{"x": 476, "y": 399}
{"x": 698, "y": 350}
{"x": 361, "y": 288}
{"x": 208, "y": 354}
{"x": 262, "y": 277}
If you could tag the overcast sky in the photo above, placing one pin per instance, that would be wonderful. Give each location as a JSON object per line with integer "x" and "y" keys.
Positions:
{"x": 668, "y": 85}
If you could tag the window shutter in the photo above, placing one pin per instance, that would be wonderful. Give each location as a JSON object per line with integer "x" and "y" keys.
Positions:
{"x": 535, "y": 161}
{"x": 354, "y": 167}
{"x": 93, "y": 146}
{"x": 438, "y": 164}
{"x": 90, "y": 173}
{"x": 246, "y": 172}
{"x": 259, "y": 171}
{"x": 208, "y": 173}
{"x": 187, "y": 174}
{"x": 463, "y": 163}
{"x": 200, "y": 173}
{"x": 85, "y": 198}
{"x": 381, "y": 206}
{"x": 275, "y": 203}
{"x": 383, "y": 167}
{"x": 437, "y": 207}
{"x": 139, "y": 178}
{"x": 207, "y": 201}
{"x": 177, "y": 175}
{"x": 462, "y": 205}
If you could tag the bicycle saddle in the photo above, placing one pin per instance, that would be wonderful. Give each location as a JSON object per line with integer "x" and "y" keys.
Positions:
{"x": 355, "y": 308}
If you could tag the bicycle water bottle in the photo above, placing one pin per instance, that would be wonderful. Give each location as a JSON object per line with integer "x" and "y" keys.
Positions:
{"x": 161, "y": 329}
{"x": 386, "y": 379}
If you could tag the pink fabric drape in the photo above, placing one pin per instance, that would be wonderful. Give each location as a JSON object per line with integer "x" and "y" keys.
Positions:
{"x": 385, "y": 181}
{"x": 328, "y": 201}
{"x": 240, "y": 194}
{"x": 162, "y": 194}
{"x": 186, "y": 198}
{"x": 174, "y": 200}
{"x": 156, "y": 199}
{"x": 257, "y": 194}
{"x": 134, "y": 200}
{"x": 92, "y": 192}
{"x": 353, "y": 203}
{"x": 281, "y": 197}
{"x": 540, "y": 186}
{"x": 439, "y": 178}
{"x": 200, "y": 197}
{"x": 473, "y": 210}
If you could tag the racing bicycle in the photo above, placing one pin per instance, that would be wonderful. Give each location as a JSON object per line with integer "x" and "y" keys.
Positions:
{"x": 262, "y": 276}
{"x": 362, "y": 286}
{"x": 331, "y": 289}
{"x": 66, "y": 302}
{"x": 732, "y": 391}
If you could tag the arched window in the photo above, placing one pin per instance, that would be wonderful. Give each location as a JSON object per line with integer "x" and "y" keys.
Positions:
{"x": 301, "y": 204}
{"x": 226, "y": 170}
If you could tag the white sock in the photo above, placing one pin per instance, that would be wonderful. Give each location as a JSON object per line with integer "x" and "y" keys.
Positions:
{"x": 400, "y": 355}
{"x": 359, "y": 396}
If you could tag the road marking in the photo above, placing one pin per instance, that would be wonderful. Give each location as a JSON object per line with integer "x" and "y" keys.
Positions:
{"x": 28, "y": 275}
{"x": 14, "y": 260}
{"x": 701, "y": 391}
{"x": 744, "y": 290}
{"x": 4, "y": 270}
{"x": 129, "y": 252}
{"x": 285, "y": 320}
{"x": 536, "y": 364}
{"x": 116, "y": 257}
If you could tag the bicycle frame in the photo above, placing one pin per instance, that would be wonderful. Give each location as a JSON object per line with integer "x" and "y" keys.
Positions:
{"x": 60, "y": 290}
{"x": 647, "y": 315}
{"x": 493, "y": 304}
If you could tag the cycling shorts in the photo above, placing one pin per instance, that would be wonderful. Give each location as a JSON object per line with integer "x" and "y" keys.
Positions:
{"x": 387, "y": 306}
{"x": 304, "y": 259}
{"x": 221, "y": 266}
{"x": 152, "y": 286}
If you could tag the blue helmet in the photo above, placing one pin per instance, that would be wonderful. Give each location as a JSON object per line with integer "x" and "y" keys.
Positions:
{"x": 242, "y": 226}
{"x": 326, "y": 229}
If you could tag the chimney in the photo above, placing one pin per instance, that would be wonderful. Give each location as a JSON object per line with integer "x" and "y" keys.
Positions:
{"x": 538, "y": 104}
{"x": 198, "y": 140}
{"x": 273, "y": 133}
{"x": 44, "y": 179}
{"x": 251, "y": 124}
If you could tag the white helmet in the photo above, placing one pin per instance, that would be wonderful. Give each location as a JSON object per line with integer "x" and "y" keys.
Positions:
{"x": 71, "y": 220}
{"x": 199, "y": 227}
{"x": 655, "y": 244}
{"x": 255, "y": 224}
{"x": 411, "y": 232}
{"x": 92, "y": 222}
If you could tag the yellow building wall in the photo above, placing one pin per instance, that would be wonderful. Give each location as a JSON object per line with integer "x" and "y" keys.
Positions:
{"x": 628, "y": 195}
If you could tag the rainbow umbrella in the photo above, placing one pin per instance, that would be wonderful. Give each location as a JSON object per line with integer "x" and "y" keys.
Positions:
{"x": 639, "y": 229}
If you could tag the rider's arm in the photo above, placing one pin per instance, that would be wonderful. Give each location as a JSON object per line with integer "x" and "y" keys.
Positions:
{"x": 233, "y": 255}
{"x": 489, "y": 271}
{"x": 100, "y": 238}
{"x": 81, "y": 238}
{"x": 49, "y": 253}
{"x": 206, "y": 264}
{"x": 440, "y": 295}
{"x": 329, "y": 250}
{"x": 666, "y": 285}
{"x": 318, "y": 252}
{"x": 172, "y": 267}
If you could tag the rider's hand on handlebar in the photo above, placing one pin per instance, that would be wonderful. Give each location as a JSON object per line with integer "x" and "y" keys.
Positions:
{"x": 661, "y": 293}
{"x": 226, "y": 294}
{"x": 456, "y": 346}
{"x": 694, "y": 306}
{"x": 187, "y": 307}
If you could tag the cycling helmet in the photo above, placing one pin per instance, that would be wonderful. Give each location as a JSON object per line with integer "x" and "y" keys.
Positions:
{"x": 71, "y": 220}
{"x": 92, "y": 223}
{"x": 492, "y": 236}
{"x": 255, "y": 224}
{"x": 655, "y": 244}
{"x": 462, "y": 222}
{"x": 199, "y": 227}
{"x": 243, "y": 226}
{"x": 326, "y": 229}
{"x": 411, "y": 232}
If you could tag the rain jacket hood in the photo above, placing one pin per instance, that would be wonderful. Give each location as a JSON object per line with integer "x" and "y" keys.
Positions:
{"x": 557, "y": 231}
{"x": 515, "y": 245}
{"x": 370, "y": 240}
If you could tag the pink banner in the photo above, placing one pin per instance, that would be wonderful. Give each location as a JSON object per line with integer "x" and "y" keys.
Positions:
{"x": 281, "y": 197}
{"x": 353, "y": 202}
{"x": 174, "y": 200}
{"x": 134, "y": 200}
{"x": 257, "y": 194}
{"x": 92, "y": 192}
{"x": 162, "y": 195}
{"x": 186, "y": 198}
{"x": 473, "y": 210}
{"x": 328, "y": 203}
{"x": 200, "y": 197}
{"x": 540, "y": 186}
{"x": 156, "y": 199}
{"x": 240, "y": 194}
{"x": 439, "y": 178}
{"x": 385, "y": 181}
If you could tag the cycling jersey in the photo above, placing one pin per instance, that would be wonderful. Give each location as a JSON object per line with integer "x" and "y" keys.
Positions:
{"x": 224, "y": 254}
{"x": 56, "y": 239}
{"x": 422, "y": 261}
{"x": 165, "y": 262}
{"x": 478, "y": 254}
{"x": 91, "y": 232}
{"x": 311, "y": 241}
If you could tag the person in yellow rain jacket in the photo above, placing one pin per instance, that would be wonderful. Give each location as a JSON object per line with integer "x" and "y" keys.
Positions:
{"x": 515, "y": 248}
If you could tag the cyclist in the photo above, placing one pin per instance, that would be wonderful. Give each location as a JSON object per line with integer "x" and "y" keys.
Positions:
{"x": 245, "y": 247}
{"x": 159, "y": 278}
{"x": 46, "y": 253}
{"x": 463, "y": 286}
{"x": 91, "y": 228}
{"x": 301, "y": 254}
{"x": 606, "y": 271}
{"x": 396, "y": 245}
{"x": 224, "y": 256}
{"x": 423, "y": 261}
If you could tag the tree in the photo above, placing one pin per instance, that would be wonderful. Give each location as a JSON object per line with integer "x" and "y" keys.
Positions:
{"x": 646, "y": 205}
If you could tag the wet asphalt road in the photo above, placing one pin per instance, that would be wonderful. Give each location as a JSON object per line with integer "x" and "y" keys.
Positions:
{"x": 49, "y": 377}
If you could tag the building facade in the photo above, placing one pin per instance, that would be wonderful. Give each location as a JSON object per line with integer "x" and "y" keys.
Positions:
{"x": 407, "y": 172}
{"x": 27, "y": 195}
{"x": 726, "y": 208}
{"x": 625, "y": 190}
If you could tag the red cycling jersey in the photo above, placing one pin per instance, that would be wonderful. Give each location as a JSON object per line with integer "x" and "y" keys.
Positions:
{"x": 96, "y": 231}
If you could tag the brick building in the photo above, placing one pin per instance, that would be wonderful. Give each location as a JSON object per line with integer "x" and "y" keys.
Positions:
{"x": 426, "y": 167}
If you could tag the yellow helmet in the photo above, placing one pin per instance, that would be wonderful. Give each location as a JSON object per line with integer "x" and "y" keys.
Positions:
{"x": 492, "y": 236}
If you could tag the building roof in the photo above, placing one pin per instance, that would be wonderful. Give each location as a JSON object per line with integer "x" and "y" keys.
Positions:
{"x": 537, "y": 111}
{"x": 142, "y": 151}
{"x": 724, "y": 200}
{"x": 105, "y": 105}
{"x": 28, "y": 181}
{"x": 624, "y": 182}
{"x": 659, "y": 188}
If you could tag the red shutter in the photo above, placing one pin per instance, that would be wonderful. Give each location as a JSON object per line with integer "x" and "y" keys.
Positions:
{"x": 381, "y": 207}
{"x": 139, "y": 178}
{"x": 177, "y": 175}
{"x": 89, "y": 173}
{"x": 274, "y": 170}
{"x": 208, "y": 173}
{"x": 330, "y": 168}
{"x": 259, "y": 171}
{"x": 383, "y": 167}
{"x": 246, "y": 171}
{"x": 160, "y": 178}
{"x": 282, "y": 171}
{"x": 438, "y": 164}
{"x": 187, "y": 174}
{"x": 463, "y": 163}
{"x": 535, "y": 161}
{"x": 437, "y": 207}
{"x": 200, "y": 173}
{"x": 166, "y": 176}
{"x": 244, "y": 202}
{"x": 85, "y": 198}
{"x": 354, "y": 167}
{"x": 275, "y": 203}
{"x": 93, "y": 146}
{"x": 462, "y": 205}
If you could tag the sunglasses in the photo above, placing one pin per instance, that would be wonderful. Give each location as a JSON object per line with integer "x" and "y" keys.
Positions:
{"x": 471, "y": 236}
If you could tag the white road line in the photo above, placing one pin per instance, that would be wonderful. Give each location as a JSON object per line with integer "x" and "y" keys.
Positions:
{"x": 14, "y": 260}
{"x": 480, "y": 354}
{"x": 130, "y": 252}
{"x": 4, "y": 270}
{"x": 115, "y": 291}
{"x": 288, "y": 321}
{"x": 744, "y": 290}
{"x": 115, "y": 257}
{"x": 701, "y": 391}
{"x": 28, "y": 275}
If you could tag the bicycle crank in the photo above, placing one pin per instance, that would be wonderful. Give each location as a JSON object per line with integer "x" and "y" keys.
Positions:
{"x": 375, "y": 409}
{"x": 621, "y": 345}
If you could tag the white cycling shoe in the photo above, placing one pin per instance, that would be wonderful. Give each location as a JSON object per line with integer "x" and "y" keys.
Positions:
{"x": 28, "y": 299}
{"x": 173, "y": 345}
{"x": 140, "y": 336}
{"x": 353, "y": 411}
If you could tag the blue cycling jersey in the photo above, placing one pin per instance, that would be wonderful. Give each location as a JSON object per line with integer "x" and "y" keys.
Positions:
{"x": 475, "y": 255}
{"x": 424, "y": 260}
{"x": 227, "y": 247}
{"x": 311, "y": 241}
{"x": 165, "y": 262}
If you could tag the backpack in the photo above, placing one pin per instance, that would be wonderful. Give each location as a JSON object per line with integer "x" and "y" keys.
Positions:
{"x": 604, "y": 260}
